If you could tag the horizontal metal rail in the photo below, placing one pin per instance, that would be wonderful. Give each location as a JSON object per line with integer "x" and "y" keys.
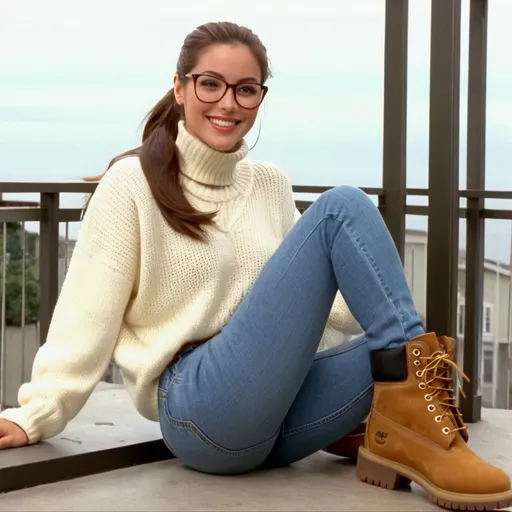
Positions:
{"x": 36, "y": 214}
{"x": 80, "y": 187}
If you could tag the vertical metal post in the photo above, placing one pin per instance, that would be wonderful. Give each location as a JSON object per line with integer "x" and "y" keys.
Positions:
{"x": 509, "y": 326}
{"x": 3, "y": 341}
{"x": 48, "y": 261}
{"x": 477, "y": 81}
{"x": 23, "y": 298}
{"x": 443, "y": 221}
{"x": 395, "y": 119}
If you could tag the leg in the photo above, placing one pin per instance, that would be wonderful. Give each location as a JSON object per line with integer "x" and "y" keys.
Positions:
{"x": 335, "y": 398}
{"x": 223, "y": 404}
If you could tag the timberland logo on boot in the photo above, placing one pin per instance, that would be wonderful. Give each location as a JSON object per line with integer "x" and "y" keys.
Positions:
{"x": 380, "y": 437}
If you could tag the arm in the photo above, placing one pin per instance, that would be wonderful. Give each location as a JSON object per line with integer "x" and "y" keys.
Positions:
{"x": 88, "y": 314}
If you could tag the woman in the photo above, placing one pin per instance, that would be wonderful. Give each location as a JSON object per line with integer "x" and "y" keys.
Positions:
{"x": 194, "y": 274}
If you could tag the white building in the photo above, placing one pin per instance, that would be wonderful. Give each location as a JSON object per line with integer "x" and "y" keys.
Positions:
{"x": 496, "y": 366}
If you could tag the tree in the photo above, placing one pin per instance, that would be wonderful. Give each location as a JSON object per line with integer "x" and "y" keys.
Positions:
{"x": 14, "y": 279}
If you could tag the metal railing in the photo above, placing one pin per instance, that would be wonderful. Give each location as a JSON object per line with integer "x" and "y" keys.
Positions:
{"x": 446, "y": 204}
{"x": 53, "y": 254}
{"x": 444, "y": 197}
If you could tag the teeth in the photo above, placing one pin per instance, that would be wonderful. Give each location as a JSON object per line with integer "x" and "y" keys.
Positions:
{"x": 220, "y": 122}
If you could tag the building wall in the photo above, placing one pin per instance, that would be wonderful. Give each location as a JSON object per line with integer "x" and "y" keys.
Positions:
{"x": 415, "y": 265}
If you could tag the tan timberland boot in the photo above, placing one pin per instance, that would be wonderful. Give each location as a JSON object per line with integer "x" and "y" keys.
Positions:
{"x": 415, "y": 431}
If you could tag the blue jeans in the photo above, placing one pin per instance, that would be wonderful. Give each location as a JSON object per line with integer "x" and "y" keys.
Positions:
{"x": 259, "y": 394}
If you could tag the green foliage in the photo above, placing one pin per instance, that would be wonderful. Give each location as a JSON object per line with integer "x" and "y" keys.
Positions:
{"x": 14, "y": 273}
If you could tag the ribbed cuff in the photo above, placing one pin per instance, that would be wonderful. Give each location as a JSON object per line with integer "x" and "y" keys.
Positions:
{"x": 22, "y": 417}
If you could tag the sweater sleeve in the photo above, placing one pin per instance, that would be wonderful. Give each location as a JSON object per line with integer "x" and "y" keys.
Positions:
{"x": 340, "y": 319}
{"x": 88, "y": 314}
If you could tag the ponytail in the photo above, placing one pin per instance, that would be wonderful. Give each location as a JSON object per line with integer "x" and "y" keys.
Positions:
{"x": 158, "y": 153}
{"x": 159, "y": 159}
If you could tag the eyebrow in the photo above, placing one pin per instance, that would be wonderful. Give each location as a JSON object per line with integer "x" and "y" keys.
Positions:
{"x": 215, "y": 73}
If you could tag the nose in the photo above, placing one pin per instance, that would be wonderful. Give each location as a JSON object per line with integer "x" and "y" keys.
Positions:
{"x": 228, "y": 102}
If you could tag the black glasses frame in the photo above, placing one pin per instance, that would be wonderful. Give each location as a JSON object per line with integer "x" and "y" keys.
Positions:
{"x": 195, "y": 76}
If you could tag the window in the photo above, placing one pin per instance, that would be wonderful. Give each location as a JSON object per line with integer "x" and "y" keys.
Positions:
{"x": 488, "y": 365}
{"x": 487, "y": 320}
{"x": 461, "y": 319}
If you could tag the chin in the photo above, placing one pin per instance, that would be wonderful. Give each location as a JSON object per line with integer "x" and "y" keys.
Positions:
{"x": 224, "y": 144}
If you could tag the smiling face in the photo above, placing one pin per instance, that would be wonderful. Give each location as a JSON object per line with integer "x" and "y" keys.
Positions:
{"x": 223, "y": 123}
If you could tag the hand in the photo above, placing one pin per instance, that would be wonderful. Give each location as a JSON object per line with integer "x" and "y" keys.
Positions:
{"x": 11, "y": 436}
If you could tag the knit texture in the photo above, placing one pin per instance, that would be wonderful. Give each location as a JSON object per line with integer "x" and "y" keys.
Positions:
{"x": 136, "y": 290}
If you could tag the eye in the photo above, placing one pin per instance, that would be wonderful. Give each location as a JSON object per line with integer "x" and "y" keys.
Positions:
{"x": 247, "y": 89}
{"x": 209, "y": 83}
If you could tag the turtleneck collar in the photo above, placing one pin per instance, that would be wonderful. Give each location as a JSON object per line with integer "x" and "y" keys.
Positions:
{"x": 205, "y": 165}
{"x": 212, "y": 175}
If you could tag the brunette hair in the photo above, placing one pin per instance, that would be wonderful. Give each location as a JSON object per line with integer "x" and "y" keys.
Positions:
{"x": 158, "y": 153}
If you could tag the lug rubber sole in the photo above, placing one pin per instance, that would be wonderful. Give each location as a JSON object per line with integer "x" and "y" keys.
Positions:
{"x": 381, "y": 472}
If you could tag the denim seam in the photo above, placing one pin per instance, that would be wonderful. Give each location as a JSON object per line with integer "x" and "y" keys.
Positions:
{"x": 192, "y": 427}
{"x": 168, "y": 445}
{"x": 371, "y": 264}
{"x": 174, "y": 375}
{"x": 306, "y": 238}
{"x": 332, "y": 416}
{"x": 364, "y": 251}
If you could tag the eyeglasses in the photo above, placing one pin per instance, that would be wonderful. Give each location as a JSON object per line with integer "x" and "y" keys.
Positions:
{"x": 211, "y": 89}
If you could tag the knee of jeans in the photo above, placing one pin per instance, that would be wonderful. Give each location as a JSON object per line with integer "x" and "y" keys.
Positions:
{"x": 347, "y": 193}
{"x": 346, "y": 196}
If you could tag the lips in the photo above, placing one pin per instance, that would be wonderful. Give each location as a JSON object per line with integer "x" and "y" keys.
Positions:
{"x": 224, "y": 123}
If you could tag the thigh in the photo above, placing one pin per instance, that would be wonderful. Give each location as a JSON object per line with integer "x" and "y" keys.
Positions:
{"x": 334, "y": 399}
{"x": 232, "y": 393}
{"x": 198, "y": 435}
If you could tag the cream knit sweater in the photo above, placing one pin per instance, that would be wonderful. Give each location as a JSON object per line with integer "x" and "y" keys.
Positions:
{"x": 136, "y": 290}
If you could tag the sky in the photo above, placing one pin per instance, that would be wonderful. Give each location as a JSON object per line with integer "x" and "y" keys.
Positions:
{"x": 77, "y": 78}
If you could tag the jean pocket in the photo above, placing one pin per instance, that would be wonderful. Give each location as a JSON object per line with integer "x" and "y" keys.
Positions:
{"x": 167, "y": 379}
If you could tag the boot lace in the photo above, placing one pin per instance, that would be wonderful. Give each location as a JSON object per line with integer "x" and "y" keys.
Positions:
{"x": 438, "y": 380}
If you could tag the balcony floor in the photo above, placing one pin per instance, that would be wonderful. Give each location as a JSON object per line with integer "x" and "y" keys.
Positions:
{"x": 321, "y": 482}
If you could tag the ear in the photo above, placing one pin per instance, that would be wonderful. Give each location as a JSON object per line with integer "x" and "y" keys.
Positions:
{"x": 178, "y": 90}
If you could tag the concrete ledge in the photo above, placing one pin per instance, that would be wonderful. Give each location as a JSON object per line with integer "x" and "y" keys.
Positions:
{"x": 99, "y": 448}
{"x": 107, "y": 434}
{"x": 321, "y": 482}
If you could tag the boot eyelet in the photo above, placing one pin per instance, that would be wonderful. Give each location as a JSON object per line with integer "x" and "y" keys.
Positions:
{"x": 438, "y": 419}
{"x": 422, "y": 385}
{"x": 432, "y": 408}
{"x": 416, "y": 363}
{"x": 428, "y": 398}
{"x": 416, "y": 352}
{"x": 419, "y": 374}
{"x": 446, "y": 430}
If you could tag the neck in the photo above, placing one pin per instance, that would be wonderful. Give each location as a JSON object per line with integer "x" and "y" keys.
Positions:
{"x": 205, "y": 165}
{"x": 210, "y": 174}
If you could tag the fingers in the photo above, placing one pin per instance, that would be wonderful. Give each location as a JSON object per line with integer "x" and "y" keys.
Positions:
{"x": 11, "y": 441}
{"x": 6, "y": 442}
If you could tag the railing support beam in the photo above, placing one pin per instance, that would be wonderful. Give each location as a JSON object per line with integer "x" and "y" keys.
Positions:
{"x": 48, "y": 261}
{"x": 477, "y": 84}
{"x": 395, "y": 121}
{"x": 443, "y": 222}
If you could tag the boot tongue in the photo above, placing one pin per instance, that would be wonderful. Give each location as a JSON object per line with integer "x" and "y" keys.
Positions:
{"x": 431, "y": 340}
{"x": 443, "y": 345}
{"x": 448, "y": 344}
